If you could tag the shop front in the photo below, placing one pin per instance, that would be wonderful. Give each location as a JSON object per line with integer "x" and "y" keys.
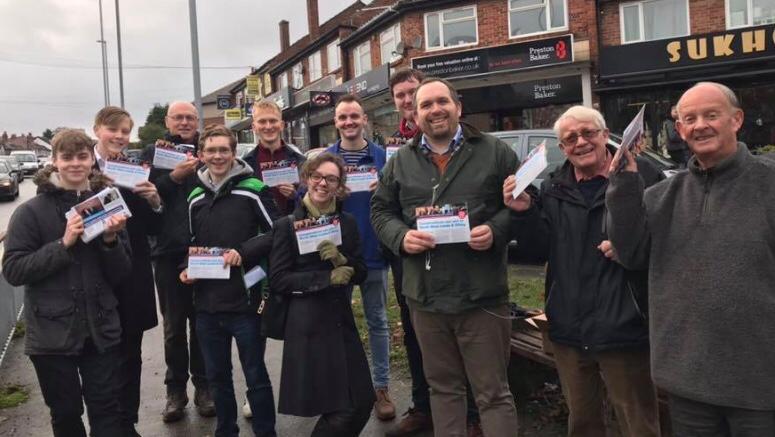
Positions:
{"x": 524, "y": 85}
{"x": 656, "y": 73}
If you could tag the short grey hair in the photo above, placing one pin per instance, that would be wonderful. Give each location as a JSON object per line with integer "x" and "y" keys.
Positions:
{"x": 728, "y": 93}
{"x": 580, "y": 113}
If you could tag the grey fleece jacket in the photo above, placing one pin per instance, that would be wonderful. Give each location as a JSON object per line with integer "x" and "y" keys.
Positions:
{"x": 708, "y": 239}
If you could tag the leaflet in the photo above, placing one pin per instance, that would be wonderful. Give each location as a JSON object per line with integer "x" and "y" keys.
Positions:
{"x": 390, "y": 151}
{"x": 96, "y": 210}
{"x": 126, "y": 173}
{"x": 310, "y": 232}
{"x": 169, "y": 157}
{"x": 254, "y": 275}
{"x": 360, "y": 177}
{"x": 447, "y": 223}
{"x": 207, "y": 263}
{"x": 632, "y": 134}
{"x": 531, "y": 168}
{"x": 279, "y": 172}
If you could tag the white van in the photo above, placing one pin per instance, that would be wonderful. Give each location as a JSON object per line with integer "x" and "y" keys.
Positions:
{"x": 28, "y": 160}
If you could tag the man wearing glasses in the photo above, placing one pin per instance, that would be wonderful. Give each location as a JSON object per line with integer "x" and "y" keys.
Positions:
{"x": 169, "y": 249}
{"x": 597, "y": 323}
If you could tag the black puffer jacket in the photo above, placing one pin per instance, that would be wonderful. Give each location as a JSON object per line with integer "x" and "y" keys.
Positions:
{"x": 592, "y": 303}
{"x": 68, "y": 294}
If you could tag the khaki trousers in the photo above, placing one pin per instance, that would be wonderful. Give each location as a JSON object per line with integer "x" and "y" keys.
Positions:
{"x": 626, "y": 377}
{"x": 473, "y": 345}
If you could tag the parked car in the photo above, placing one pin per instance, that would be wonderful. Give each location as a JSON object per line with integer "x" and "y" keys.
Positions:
{"x": 9, "y": 186}
{"x": 16, "y": 167}
{"x": 29, "y": 160}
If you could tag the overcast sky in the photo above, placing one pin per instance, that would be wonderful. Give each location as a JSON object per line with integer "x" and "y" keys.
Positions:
{"x": 50, "y": 62}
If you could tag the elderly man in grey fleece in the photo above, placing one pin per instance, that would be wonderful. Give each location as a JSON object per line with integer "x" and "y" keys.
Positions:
{"x": 707, "y": 236}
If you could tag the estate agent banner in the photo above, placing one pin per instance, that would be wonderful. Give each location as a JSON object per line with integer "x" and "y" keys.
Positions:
{"x": 519, "y": 56}
{"x": 686, "y": 52}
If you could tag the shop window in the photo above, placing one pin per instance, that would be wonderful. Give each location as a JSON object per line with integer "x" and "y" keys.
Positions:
{"x": 387, "y": 43}
{"x": 741, "y": 13}
{"x": 297, "y": 76}
{"x": 653, "y": 19}
{"x": 528, "y": 17}
{"x": 315, "y": 68}
{"x": 283, "y": 80}
{"x": 332, "y": 52}
{"x": 451, "y": 28}
{"x": 362, "y": 58}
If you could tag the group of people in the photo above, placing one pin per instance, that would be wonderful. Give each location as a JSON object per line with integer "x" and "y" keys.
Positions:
{"x": 667, "y": 288}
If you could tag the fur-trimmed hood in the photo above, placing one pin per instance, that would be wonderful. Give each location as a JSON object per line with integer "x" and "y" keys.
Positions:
{"x": 47, "y": 180}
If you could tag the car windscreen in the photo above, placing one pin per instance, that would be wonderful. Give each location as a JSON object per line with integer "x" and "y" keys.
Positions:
{"x": 26, "y": 158}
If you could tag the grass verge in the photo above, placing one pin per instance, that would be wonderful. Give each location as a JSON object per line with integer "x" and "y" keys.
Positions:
{"x": 12, "y": 395}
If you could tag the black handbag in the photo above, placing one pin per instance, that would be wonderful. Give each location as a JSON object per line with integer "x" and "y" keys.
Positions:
{"x": 273, "y": 310}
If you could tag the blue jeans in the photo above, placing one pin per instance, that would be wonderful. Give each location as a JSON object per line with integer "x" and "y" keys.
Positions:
{"x": 374, "y": 297}
{"x": 215, "y": 332}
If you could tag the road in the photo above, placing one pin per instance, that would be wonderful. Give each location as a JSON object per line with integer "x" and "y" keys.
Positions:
{"x": 31, "y": 419}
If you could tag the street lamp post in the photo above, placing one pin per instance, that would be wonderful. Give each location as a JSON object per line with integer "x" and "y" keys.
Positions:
{"x": 195, "y": 62}
{"x": 120, "y": 63}
{"x": 105, "y": 81}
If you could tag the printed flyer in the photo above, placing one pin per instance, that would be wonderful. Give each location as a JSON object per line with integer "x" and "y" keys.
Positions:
{"x": 279, "y": 172}
{"x": 447, "y": 223}
{"x": 531, "y": 168}
{"x": 360, "y": 177}
{"x": 96, "y": 210}
{"x": 310, "y": 233}
{"x": 170, "y": 156}
{"x": 207, "y": 263}
{"x": 127, "y": 172}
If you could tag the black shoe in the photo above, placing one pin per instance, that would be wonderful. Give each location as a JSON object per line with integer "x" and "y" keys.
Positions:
{"x": 130, "y": 431}
{"x": 204, "y": 402}
{"x": 176, "y": 402}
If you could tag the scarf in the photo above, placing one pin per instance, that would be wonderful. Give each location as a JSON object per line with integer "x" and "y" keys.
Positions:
{"x": 405, "y": 130}
{"x": 315, "y": 212}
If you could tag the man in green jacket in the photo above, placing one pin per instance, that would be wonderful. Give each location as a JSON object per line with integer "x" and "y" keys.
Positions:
{"x": 457, "y": 293}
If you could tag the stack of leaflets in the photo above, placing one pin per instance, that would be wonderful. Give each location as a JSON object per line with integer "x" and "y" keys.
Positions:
{"x": 207, "y": 263}
{"x": 96, "y": 210}
{"x": 311, "y": 232}
{"x": 127, "y": 172}
{"x": 447, "y": 223}
{"x": 168, "y": 156}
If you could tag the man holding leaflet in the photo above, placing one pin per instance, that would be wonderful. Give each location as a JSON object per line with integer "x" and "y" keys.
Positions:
{"x": 457, "y": 293}
{"x": 597, "y": 323}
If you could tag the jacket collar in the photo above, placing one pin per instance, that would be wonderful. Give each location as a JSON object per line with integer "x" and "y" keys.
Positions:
{"x": 240, "y": 168}
{"x": 728, "y": 169}
{"x": 563, "y": 183}
{"x": 469, "y": 132}
{"x": 176, "y": 139}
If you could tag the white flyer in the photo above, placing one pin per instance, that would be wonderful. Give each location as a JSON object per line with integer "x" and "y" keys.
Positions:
{"x": 390, "y": 151}
{"x": 360, "y": 177}
{"x": 254, "y": 275}
{"x": 126, "y": 174}
{"x": 310, "y": 233}
{"x": 164, "y": 157}
{"x": 96, "y": 210}
{"x": 279, "y": 172}
{"x": 447, "y": 223}
{"x": 531, "y": 167}
{"x": 207, "y": 263}
{"x": 633, "y": 133}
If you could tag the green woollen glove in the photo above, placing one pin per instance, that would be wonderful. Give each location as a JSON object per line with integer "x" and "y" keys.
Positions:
{"x": 342, "y": 275}
{"x": 329, "y": 252}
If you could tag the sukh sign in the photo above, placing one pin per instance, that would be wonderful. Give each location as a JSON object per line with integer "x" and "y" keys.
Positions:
{"x": 686, "y": 52}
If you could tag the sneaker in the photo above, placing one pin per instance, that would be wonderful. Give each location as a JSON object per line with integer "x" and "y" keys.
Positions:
{"x": 413, "y": 422}
{"x": 176, "y": 402}
{"x": 383, "y": 406}
{"x": 204, "y": 402}
{"x": 246, "y": 410}
{"x": 475, "y": 429}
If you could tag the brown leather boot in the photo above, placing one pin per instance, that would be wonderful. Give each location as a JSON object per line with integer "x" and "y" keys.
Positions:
{"x": 204, "y": 402}
{"x": 413, "y": 422}
{"x": 383, "y": 407}
{"x": 176, "y": 403}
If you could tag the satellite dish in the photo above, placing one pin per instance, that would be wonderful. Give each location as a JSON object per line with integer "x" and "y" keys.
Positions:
{"x": 400, "y": 48}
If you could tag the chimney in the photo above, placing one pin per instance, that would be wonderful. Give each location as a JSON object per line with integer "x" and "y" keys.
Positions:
{"x": 312, "y": 19}
{"x": 285, "y": 36}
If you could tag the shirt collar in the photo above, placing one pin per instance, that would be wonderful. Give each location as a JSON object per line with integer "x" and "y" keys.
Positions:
{"x": 100, "y": 160}
{"x": 453, "y": 145}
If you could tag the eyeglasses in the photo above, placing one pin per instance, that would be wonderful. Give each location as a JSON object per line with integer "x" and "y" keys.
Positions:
{"x": 181, "y": 117}
{"x": 330, "y": 179}
{"x": 212, "y": 151}
{"x": 573, "y": 138}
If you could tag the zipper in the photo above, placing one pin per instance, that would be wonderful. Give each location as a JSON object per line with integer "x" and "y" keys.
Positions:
{"x": 706, "y": 196}
{"x": 635, "y": 301}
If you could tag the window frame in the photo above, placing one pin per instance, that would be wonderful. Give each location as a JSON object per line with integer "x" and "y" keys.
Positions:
{"x": 283, "y": 80}
{"x": 357, "y": 67}
{"x": 297, "y": 71}
{"x": 338, "y": 51}
{"x": 440, "y": 13}
{"x": 395, "y": 31}
{"x": 549, "y": 29}
{"x": 312, "y": 67}
{"x": 749, "y": 12}
{"x": 641, "y": 20}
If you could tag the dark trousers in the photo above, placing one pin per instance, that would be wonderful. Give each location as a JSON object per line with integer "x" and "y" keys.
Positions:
{"x": 421, "y": 397}
{"x": 697, "y": 419}
{"x": 69, "y": 381}
{"x": 176, "y": 301}
{"x": 129, "y": 376}
{"x": 347, "y": 423}
{"x": 215, "y": 334}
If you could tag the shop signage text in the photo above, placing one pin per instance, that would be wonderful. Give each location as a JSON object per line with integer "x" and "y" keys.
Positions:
{"x": 695, "y": 50}
{"x": 223, "y": 101}
{"x": 282, "y": 98}
{"x": 367, "y": 84}
{"x": 519, "y": 56}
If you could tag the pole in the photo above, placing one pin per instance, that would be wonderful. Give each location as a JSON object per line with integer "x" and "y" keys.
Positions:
{"x": 195, "y": 62}
{"x": 105, "y": 84}
{"x": 120, "y": 64}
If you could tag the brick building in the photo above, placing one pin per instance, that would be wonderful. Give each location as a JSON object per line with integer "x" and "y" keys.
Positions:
{"x": 652, "y": 50}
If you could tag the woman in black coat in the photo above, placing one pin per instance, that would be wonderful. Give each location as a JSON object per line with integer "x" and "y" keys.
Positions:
{"x": 325, "y": 371}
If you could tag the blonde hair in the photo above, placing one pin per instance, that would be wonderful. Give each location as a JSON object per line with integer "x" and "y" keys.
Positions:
{"x": 267, "y": 105}
{"x": 112, "y": 116}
